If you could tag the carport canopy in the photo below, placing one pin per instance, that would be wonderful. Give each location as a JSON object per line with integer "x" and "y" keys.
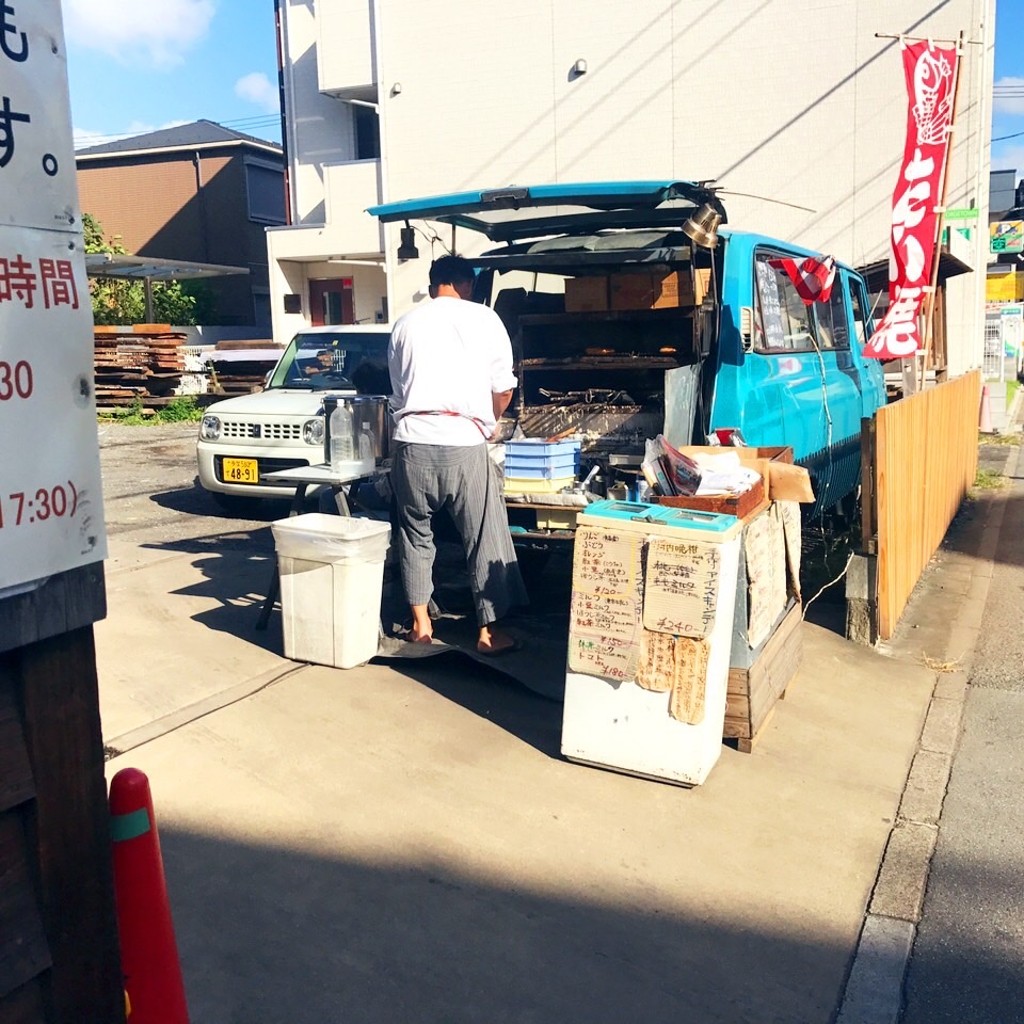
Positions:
{"x": 149, "y": 269}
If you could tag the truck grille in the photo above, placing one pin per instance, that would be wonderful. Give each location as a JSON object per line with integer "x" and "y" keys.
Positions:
{"x": 272, "y": 431}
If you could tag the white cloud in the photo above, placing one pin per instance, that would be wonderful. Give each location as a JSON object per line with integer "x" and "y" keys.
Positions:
{"x": 83, "y": 139}
{"x": 257, "y": 88}
{"x": 1009, "y": 104}
{"x": 138, "y": 32}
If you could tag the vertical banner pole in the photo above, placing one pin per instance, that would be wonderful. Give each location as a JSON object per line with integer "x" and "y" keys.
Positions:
{"x": 932, "y": 297}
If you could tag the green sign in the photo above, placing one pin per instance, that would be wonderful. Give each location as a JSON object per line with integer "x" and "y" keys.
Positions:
{"x": 1007, "y": 236}
{"x": 961, "y": 213}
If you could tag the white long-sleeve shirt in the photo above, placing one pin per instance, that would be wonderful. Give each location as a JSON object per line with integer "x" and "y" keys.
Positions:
{"x": 448, "y": 356}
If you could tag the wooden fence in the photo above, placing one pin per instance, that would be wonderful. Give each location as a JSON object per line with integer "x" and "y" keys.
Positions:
{"x": 919, "y": 457}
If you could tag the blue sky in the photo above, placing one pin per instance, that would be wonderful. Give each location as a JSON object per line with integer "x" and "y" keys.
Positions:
{"x": 1008, "y": 93}
{"x": 138, "y": 65}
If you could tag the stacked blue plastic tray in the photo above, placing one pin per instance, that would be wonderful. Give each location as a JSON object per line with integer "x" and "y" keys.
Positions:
{"x": 533, "y": 464}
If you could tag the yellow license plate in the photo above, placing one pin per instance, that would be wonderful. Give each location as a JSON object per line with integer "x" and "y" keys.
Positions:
{"x": 240, "y": 471}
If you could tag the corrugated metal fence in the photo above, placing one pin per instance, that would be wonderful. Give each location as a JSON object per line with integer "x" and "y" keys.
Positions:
{"x": 920, "y": 455}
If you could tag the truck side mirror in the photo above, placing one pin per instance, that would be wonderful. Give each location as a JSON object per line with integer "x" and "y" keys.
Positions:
{"x": 747, "y": 328}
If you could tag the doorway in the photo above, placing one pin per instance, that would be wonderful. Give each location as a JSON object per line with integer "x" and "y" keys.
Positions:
{"x": 330, "y": 302}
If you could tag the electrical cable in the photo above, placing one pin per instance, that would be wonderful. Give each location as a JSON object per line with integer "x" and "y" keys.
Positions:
{"x": 831, "y": 583}
{"x": 432, "y": 239}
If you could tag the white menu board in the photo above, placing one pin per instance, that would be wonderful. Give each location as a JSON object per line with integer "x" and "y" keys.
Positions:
{"x": 51, "y": 508}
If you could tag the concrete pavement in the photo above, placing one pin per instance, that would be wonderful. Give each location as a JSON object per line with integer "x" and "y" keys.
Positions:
{"x": 966, "y": 964}
{"x": 405, "y": 843}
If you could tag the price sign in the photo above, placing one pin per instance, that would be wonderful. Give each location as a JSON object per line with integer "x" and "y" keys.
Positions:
{"x": 51, "y": 510}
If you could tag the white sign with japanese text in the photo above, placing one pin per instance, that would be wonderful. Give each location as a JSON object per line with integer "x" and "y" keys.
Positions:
{"x": 37, "y": 159}
{"x": 51, "y": 507}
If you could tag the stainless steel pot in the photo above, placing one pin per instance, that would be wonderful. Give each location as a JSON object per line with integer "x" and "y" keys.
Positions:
{"x": 368, "y": 411}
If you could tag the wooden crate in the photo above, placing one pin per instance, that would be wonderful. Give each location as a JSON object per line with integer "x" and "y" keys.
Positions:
{"x": 752, "y": 692}
{"x": 743, "y": 506}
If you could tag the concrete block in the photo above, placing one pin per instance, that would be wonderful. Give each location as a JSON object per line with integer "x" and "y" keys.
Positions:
{"x": 951, "y": 685}
{"x": 926, "y": 787}
{"x": 899, "y": 891}
{"x": 942, "y": 726}
{"x": 874, "y": 988}
{"x": 861, "y": 602}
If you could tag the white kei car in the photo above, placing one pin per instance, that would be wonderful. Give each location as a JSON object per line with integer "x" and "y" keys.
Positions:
{"x": 242, "y": 439}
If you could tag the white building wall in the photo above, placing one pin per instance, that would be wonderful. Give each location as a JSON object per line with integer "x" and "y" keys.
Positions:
{"x": 319, "y": 128}
{"x": 800, "y": 103}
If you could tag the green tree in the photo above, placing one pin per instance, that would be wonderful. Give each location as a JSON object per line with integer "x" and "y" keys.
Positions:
{"x": 117, "y": 301}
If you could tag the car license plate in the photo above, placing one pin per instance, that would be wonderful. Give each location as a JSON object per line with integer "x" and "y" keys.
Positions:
{"x": 240, "y": 471}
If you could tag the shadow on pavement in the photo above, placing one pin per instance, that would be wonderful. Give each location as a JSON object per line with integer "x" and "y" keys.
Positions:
{"x": 236, "y": 572}
{"x": 197, "y": 501}
{"x": 271, "y": 934}
{"x": 492, "y": 694}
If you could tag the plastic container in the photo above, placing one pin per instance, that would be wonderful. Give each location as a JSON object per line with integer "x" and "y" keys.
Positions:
{"x": 351, "y": 444}
{"x": 539, "y": 470}
{"x": 343, "y": 443}
{"x": 534, "y": 447}
{"x": 523, "y": 485}
{"x": 332, "y": 578}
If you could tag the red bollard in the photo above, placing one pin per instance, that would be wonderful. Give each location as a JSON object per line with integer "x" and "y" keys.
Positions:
{"x": 149, "y": 952}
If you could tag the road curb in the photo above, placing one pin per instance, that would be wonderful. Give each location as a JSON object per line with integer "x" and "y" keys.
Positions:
{"x": 874, "y": 988}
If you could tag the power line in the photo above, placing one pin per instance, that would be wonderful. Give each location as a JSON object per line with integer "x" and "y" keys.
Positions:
{"x": 1003, "y": 138}
{"x": 244, "y": 124}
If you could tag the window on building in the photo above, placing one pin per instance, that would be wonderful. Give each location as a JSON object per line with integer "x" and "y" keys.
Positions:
{"x": 264, "y": 186}
{"x": 367, "y": 130}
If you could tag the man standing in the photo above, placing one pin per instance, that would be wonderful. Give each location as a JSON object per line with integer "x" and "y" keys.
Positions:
{"x": 451, "y": 374}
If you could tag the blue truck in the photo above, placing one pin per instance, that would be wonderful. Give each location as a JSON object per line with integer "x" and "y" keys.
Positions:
{"x": 635, "y": 310}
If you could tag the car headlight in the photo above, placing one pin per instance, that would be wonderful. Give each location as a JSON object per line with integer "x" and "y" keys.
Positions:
{"x": 209, "y": 429}
{"x": 313, "y": 431}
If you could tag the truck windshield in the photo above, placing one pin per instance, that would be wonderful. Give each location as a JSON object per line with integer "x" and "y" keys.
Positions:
{"x": 321, "y": 361}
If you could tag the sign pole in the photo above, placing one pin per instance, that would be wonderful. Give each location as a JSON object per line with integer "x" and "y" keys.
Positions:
{"x": 932, "y": 296}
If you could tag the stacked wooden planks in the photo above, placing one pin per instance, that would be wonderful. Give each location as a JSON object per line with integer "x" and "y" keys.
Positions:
{"x": 142, "y": 362}
{"x": 240, "y": 367}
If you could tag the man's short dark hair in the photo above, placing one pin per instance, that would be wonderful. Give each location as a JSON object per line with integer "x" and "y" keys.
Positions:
{"x": 450, "y": 270}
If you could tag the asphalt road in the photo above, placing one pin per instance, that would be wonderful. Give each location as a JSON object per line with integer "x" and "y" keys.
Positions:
{"x": 149, "y": 483}
{"x": 967, "y": 965}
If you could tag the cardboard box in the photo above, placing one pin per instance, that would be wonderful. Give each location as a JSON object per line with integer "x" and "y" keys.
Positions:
{"x": 659, "y": 289}
{"x": 784, "y": 481}
{"x": 701, "y": 284}
{"x": 649, "y": 290}
{"x": 586, "y": 294}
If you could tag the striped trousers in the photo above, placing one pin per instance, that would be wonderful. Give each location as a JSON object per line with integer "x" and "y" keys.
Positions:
{"x": 426, "y": 478}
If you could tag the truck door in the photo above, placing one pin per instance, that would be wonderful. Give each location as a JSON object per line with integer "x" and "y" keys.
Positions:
{"x": 872, "y": 390}
{"x": 804, "y": 369}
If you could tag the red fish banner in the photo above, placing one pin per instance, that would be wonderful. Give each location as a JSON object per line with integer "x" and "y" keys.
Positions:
{"x": 930, "y": 73}
{"x": 812, "y": 278}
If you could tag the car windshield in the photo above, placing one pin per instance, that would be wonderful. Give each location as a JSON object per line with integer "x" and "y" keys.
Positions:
{"x": 327, "y": 361}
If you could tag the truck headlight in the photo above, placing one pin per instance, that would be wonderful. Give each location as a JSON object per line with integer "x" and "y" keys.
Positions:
{"x": 209, "y": 430}
{"x": 313, "y": 431}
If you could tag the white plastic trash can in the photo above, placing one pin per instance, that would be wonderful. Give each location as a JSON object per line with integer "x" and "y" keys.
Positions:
{"x": 332, "y": 576}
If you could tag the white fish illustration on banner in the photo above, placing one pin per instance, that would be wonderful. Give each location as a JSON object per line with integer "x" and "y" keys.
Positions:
{"x": 930, "y": 73}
